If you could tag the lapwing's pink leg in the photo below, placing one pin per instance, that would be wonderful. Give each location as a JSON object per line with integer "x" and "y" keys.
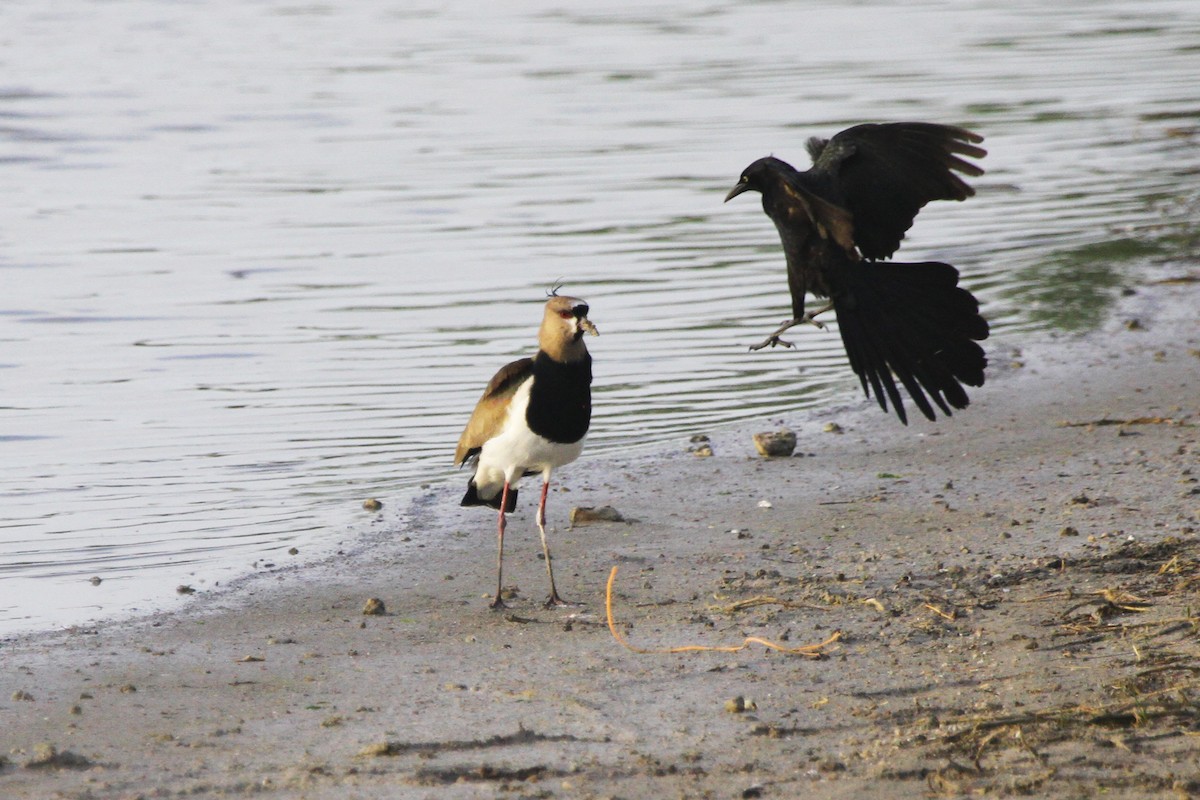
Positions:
{"x": 498, "y": 602}
{"x": 554, "y": 599}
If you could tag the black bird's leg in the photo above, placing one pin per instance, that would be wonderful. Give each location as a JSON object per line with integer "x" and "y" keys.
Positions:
{"x": 554, "y": 599}
{"x": 807, "y": 319}
{"x": 810, "y": 316}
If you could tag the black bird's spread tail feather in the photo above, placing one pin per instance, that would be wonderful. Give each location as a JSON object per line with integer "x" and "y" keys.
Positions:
{"x": 911, "y": 322}
{"x": 472, "y": 498}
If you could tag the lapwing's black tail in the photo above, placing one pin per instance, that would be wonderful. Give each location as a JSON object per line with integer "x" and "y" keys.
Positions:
{"x": 472, "y": 498}
{"x": 912, "y": 322}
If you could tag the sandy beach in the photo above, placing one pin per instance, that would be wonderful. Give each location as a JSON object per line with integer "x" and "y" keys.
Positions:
{"x": 1013, "y": 592}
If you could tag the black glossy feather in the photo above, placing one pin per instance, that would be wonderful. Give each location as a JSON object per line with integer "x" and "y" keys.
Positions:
{"x": 560, "y": 400}
{"x": 915, "y": 322}
{"x": 884, "y": 174}
{"x": 472, "y": 498}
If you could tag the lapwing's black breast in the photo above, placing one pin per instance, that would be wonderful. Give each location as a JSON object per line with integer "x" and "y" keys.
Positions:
{"x": 560, "y": 400}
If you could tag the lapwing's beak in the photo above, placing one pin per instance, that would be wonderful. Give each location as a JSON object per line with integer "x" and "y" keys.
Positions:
{"x": 741, "y": 186}
{"x": 586, "y": 324}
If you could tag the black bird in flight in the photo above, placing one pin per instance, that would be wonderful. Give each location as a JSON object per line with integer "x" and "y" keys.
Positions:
{"x": 838, "y": 221}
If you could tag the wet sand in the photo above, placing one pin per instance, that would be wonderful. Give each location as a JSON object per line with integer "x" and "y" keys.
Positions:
{"x": 1014, "y": 590}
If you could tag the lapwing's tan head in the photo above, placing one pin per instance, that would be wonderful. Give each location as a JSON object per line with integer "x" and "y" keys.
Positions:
{"x": 563, "y": 326}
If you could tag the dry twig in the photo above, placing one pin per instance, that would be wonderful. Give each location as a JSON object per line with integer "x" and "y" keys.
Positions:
{"x": 809, "y": 651}
{"x": 763, "y": 600}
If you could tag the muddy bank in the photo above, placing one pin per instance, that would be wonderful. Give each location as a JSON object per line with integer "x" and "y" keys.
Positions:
{"x": 1014, "y": 590}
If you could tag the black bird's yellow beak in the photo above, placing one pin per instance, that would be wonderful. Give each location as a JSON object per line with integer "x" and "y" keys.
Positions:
{"x": 742, "y": 186}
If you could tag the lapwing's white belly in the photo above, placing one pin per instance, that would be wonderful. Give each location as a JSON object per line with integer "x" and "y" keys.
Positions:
{"x": 517, "y": 450}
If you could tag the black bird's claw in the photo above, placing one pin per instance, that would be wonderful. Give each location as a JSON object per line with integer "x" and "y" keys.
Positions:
{"x": 772, "y": 341}
{"x": 811, "y": 320}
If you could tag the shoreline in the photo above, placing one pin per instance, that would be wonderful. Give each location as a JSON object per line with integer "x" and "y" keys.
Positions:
{"x": 988, "y": 573}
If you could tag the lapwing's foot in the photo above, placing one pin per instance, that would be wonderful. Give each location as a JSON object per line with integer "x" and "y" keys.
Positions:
{"x": 773, "y": 341}
{"x": 497, "y": 604}
{"x": 554, "y": 601}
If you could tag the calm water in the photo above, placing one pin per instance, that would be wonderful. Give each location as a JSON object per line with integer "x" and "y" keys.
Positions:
{"x": 258, "y": 258}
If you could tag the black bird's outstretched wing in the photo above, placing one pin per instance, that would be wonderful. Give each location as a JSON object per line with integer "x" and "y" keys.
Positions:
{"x": 883, "y": 174}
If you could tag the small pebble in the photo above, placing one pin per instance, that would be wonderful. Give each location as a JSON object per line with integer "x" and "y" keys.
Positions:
{"x": 739, "y": 704}
{"x": 372, "y": 504}
{"x": 377, "y": 749}
{"x": 47, "y": 756}
{"x": 585, "y": 515}
{"x": 832, "y": 427}
{"x": 775, "y": 444}
{"x": 374, "y": 607}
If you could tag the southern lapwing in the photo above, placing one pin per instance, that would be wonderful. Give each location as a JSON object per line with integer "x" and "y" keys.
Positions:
{"x": 532, "y": 418}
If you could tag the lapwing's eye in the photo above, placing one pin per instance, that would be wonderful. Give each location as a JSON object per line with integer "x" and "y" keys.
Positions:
{"x": 566, "y": 315}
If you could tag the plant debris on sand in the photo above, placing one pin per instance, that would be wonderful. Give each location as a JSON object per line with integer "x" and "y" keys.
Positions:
{"x": 1122, "y": 621}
